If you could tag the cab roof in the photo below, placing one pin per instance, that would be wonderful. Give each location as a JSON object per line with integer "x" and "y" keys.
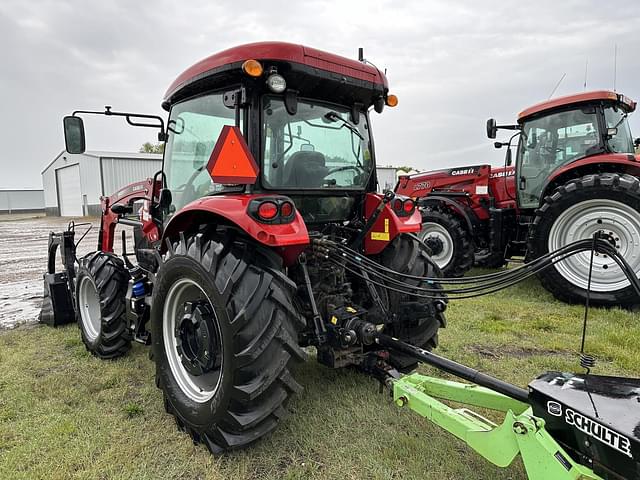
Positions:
{"x": 597, "y": 95}
{"x": 276, "y": 51}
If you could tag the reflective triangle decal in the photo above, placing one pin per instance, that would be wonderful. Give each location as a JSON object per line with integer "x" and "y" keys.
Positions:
{"x": 231, "y": 161}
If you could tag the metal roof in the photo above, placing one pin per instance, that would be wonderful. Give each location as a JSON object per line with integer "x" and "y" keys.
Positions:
{"x": 106, "y": 154}
{"x": 629, "y": 104}
{"x": 278, "y": 51}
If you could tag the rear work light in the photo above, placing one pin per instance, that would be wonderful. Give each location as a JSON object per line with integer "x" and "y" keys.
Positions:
{"x": 404, "y": 207}
{"x": 272, "y": 210}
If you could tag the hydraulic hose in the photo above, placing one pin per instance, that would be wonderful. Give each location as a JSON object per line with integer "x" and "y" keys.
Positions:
{"x": 386, "y": 278}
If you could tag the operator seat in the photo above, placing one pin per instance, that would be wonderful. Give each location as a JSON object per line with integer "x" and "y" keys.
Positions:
{"x": 305, "y": 169}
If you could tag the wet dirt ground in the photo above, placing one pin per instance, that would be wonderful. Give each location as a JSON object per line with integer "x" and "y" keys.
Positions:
{"x": 23, "y": 260}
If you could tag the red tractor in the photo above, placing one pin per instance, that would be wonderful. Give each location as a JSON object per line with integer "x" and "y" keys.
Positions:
{"x": 575, "y": 174}
{"x": 250, "y": 242}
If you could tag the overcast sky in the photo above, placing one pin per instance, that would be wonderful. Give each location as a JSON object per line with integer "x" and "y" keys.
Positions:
{"x": 451, "y": 64}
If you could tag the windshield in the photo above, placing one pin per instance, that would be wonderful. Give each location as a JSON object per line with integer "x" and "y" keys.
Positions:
{"x": 549, "y": 142}
{"x": 621, "y": 142}
{"x": 319, "y": 147}
{"x": 194, "y": 127}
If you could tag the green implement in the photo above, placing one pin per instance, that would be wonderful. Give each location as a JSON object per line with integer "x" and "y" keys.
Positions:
{"x": 520, "y": 432}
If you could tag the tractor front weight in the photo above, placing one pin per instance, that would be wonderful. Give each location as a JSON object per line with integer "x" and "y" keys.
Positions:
{"x": 520, "y": 432}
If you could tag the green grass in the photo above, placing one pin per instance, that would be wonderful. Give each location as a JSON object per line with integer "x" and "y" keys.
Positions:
{"x": 65, "y": 414}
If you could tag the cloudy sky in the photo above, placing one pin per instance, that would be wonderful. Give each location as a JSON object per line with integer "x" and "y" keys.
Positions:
{"x": 452, "y": 65}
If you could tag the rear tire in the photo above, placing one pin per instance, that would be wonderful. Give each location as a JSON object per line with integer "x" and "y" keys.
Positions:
{"x": 253, "y": 325}
{"x": 609, "y": 202}
{"x": 101, "y": 285}
{"x": 452, "y": 247}
{"x": 418, "y": 319}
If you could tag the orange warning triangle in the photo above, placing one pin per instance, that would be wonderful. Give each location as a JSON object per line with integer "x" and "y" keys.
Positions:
{"x": 231, "y": 161}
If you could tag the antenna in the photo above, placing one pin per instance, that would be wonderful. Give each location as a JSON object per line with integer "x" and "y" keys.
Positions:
{"x": 615, "y": 65}
{"x": 557, "y": 85}
{"x": 361, "y": 54}
{"x": 586, "y": 68}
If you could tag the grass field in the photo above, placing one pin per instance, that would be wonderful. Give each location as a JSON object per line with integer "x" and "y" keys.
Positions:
{"x": 65, "y": 414}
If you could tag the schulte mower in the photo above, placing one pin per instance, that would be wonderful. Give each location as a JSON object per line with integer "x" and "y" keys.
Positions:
{"x": 263, "y": 234}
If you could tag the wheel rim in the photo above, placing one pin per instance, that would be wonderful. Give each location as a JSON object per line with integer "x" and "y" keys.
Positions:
{"x": 617, "y": 220}
{"x": 89, "y": 306}
{"x": 439, "y": 233}
{"x": 201, "y": 387}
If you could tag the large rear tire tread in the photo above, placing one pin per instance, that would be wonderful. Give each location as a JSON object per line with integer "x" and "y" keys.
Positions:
{"x": 622, "y": 187}
{"x": 463, "y": 246}
{"x": 418, "y": 319}
{"x": 111, "y": 278}
{"x": 255, "y": 304}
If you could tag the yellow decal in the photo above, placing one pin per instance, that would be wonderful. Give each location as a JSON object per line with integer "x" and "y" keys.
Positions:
{"x": 384, "y": 236}
{"x": 334, "y": 320}
{"x": 351, "y": 310}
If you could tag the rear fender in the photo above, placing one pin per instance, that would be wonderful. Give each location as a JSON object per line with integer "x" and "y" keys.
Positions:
{"x": 611, "y": 163}
{"x": 388, "y": 225}
{"x": 288, "y": 240}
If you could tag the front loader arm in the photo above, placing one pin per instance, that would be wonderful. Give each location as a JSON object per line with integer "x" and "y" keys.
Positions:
{"x": 146, "y": 191}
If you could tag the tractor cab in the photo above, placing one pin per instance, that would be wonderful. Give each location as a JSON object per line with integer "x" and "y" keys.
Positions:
{"x": 303, "y": 114}
{"x": 299, "y": 123}
{"x": 576, "y": 129}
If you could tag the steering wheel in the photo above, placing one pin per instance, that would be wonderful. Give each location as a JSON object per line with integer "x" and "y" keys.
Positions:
{"x": 187, "y": 187}
{"x": 357, "y": 168}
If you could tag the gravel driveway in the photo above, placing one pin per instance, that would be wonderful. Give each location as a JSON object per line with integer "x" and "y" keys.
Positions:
{"x": 23, "y": 260}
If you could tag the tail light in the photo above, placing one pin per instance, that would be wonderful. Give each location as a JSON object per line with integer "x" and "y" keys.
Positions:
{"x": 272, "y": 210}
{"x": 267, "y": 211}
{"x": 403, "y": 207}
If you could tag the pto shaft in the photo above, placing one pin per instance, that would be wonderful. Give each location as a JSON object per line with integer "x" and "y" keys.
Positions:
{"x": 454, "y": 368}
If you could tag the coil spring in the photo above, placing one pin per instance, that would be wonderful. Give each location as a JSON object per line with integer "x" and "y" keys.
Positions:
{"x": 587, "y": 361}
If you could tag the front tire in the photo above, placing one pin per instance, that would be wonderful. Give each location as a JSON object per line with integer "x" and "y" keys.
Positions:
{"x": 607, "y": 202}
{"x": 224, "y": 333}
{"x": 101, "y": 285}
{"x": 452, "y": 249}
{"x": 417, "y": 319}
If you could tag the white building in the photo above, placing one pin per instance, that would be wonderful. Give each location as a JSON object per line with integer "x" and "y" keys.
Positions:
{"x": 73, "y": 184}
{"x": 21, "y": 200}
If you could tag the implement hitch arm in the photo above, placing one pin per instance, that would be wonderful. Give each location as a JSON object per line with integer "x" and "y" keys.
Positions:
{"x": 520, "y": 432}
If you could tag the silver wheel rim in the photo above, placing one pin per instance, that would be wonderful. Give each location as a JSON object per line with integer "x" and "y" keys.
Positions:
{"x": 431, "y": 229}
{"x": 89, "y": 306}
{"x": 581, "y": 221}
{"x": 201, "y": 388}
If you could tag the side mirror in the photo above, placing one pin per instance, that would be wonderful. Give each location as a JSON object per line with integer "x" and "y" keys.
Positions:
{"x": 164, "y": 201}
{"x": 121, "y": 209}
{"x": 492, "y": 128}
{"x": 507, "y": 158}
{"x": 636, "y": 142}
{"x": 74, "y": 140}
{"x": 498, "y": 144}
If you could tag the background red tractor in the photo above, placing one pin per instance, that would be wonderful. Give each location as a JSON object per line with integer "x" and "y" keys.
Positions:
{"x": 575, "y": 174}
{"x": 248, "y": 242}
